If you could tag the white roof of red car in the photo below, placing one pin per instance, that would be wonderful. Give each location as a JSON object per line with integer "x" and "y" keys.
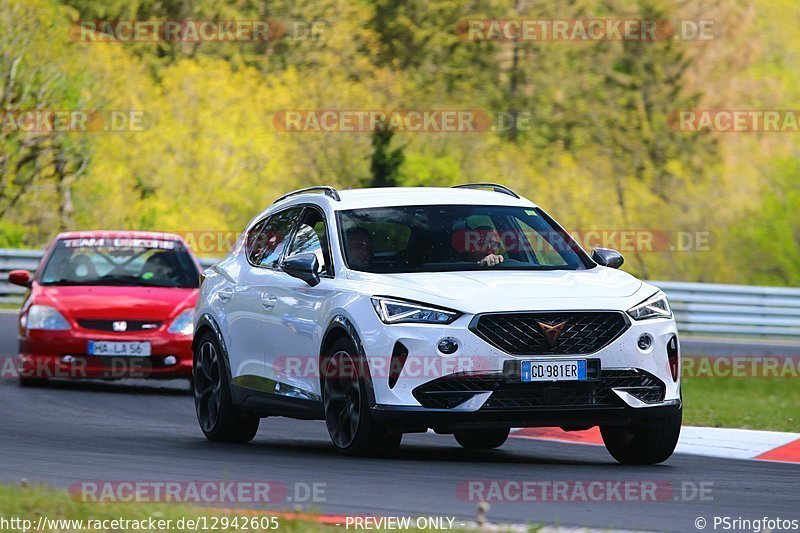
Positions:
{"x": 117, "y": 234}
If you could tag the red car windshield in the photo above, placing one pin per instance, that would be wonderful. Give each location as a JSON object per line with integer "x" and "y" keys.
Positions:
{"x": 120, "y": 261}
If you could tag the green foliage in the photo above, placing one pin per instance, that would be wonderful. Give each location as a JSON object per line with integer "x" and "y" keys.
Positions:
{"x": 384, "y": 163}
{"x": 768, "y": 241}
{"x": 11, "y": 235}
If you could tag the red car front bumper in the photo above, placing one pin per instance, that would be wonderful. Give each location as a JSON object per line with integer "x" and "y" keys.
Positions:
{"x": 63, "y": 354}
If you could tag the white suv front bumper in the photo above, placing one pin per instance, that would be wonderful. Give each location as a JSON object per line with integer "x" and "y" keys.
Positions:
{"x": 424, "y": 363}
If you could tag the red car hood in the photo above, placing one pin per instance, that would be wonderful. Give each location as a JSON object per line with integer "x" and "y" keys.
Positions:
{"x": 126, "y": 303}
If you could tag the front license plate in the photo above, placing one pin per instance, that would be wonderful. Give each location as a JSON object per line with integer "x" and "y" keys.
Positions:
{"x": 554, "y": 370}
{"x": 122, "y": 349}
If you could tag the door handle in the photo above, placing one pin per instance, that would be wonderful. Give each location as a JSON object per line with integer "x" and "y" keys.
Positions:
{"x": 225, "y": 294}
{"x": 268, "y": 302}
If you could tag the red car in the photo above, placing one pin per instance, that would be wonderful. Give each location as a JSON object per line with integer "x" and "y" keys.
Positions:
{"x": 109, "y": 304}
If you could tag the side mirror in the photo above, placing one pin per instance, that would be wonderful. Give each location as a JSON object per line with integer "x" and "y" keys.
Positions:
{"x": 607, "y": 257}
{"x": 22, "y": 278}
{"x": 303, "y": 266}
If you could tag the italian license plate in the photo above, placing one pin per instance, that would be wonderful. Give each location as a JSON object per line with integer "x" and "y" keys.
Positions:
{"x": 122, "y": 349}
{"x": 554, "y": 370}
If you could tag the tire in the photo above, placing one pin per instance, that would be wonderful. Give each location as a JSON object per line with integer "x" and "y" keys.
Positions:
{"x": 482, "y": 439}
{"x": 644, "y": 444}
{"x": 351, "y": 427}
{"x": 219, "y": 419}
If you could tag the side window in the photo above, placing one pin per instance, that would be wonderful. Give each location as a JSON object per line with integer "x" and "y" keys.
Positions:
{"x": 269, "y": 243}
{"x": 255, "y": 248}
{"x": 311, "y": 237}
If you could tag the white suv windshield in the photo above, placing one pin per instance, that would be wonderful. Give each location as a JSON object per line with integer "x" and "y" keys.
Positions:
{"x": 435, "y": 238}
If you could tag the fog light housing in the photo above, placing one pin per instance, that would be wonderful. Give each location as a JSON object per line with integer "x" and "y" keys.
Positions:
{"x": 399, "y": 356}
{"x": 170, "y": 360}
{"x": 674, "y": 358}
{"x": 448, "y": 346}
{"x": 645, "y": 342}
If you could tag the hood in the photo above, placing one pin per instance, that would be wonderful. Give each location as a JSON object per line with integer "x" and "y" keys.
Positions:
{"x": 487, "y": 290}
{"x": 125, "y": 303}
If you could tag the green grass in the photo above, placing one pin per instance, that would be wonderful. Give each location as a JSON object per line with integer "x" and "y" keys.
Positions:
{"x": 749, "y": 402}
{"x": 31, "y": 502}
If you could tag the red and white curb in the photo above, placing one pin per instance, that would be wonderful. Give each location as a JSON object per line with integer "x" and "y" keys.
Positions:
{"x": 710, "y": 442}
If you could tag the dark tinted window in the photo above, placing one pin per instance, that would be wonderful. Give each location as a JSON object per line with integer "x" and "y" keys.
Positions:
{"x": 268, "y": 245}
{"x": 255, "y": 247}
{"x": 311, "y": 237}
{"x": 432, "y": 238}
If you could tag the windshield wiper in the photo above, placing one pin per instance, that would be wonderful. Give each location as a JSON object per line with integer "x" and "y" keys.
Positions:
{"x": 117, "y": 280}
{"x": 170, "y": 285}
{"x": 137, "y": 281}
{"x": 122, "y": 281}
{"x": 64, "y": 281}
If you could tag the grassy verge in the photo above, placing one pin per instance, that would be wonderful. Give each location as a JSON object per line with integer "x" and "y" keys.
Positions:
{"x": 32, "y": 502}
{"x": 766, "y": 403}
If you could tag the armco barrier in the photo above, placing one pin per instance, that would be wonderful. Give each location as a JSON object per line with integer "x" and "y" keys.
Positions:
{"x": 702, "y": 309}
{"x": 734, "y": 310}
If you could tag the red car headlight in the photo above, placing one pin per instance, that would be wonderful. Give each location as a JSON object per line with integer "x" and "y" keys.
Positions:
{"x": 183, "y": 323}
{"x": 46, "y": 318}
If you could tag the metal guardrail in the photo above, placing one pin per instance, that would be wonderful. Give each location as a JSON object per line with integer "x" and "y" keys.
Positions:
{"x": 700, "y": 308}
{"x": 734, "y": 310}
{"x": 13, "y": 260}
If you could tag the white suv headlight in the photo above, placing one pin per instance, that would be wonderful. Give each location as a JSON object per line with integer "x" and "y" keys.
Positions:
{"x": 654, "y": 307}
{"x": 393, "y": 311}
{"x": 183, "y": 323}
{"x": 46, "y": 317}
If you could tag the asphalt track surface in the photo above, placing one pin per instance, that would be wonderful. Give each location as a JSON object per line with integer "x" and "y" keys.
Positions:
{"x": 95, "y": 431}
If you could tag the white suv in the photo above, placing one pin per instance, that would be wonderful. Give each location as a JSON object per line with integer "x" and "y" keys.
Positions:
{"x": 466, "y": 310}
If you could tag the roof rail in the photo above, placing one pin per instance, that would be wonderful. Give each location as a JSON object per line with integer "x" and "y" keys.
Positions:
{"x": 496, "y": 187}
{"x": 328, "y": 190}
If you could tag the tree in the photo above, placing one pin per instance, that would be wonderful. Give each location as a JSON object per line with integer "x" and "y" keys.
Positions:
{"x": 384, "y": 163}
{"x": 39, "y": 73}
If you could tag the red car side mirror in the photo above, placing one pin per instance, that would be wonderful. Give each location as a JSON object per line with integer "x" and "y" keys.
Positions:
{"x": 22, "y": 278}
